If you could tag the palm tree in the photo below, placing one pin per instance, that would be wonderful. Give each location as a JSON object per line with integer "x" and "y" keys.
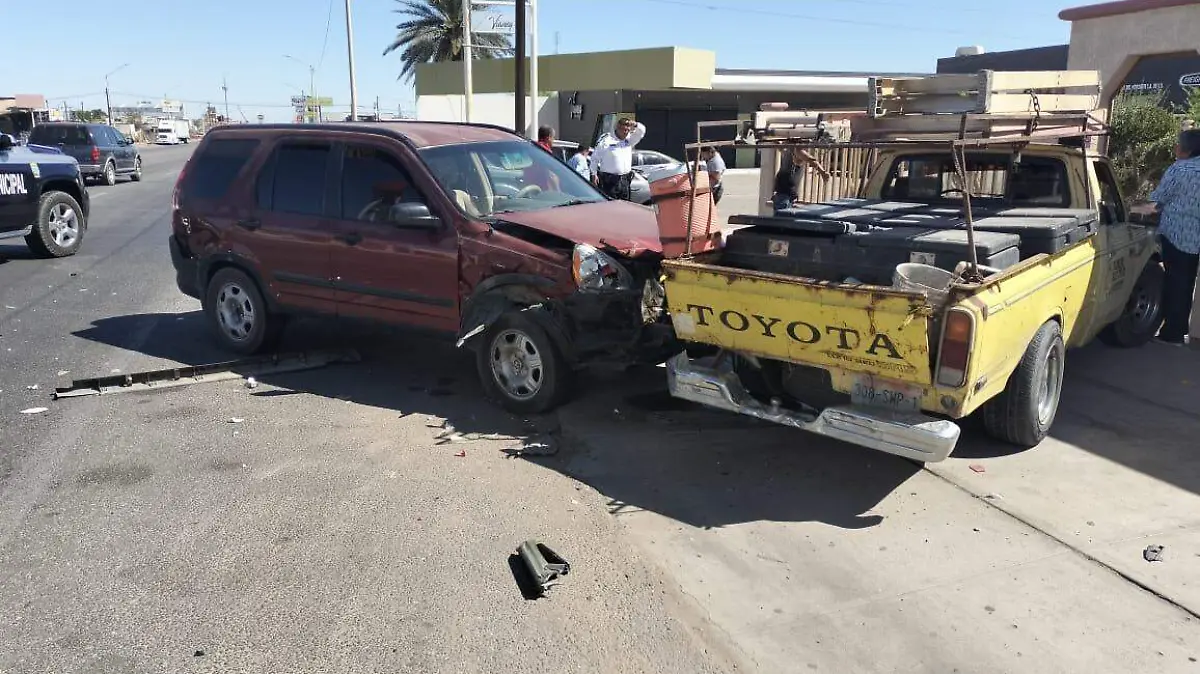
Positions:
{"x": 432, "y": 32}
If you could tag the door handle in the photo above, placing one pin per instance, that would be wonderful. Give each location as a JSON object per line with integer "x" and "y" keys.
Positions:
{"x": 249, "y": 223}
{"x": 353, "y": 238}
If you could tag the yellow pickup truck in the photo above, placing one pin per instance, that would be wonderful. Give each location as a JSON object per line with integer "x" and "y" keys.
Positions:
{"x": 979, "y": 247}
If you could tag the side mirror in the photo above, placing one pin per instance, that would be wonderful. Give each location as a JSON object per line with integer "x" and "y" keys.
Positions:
{"x": 413, "y": 214}
{"x": 6, "y": 141}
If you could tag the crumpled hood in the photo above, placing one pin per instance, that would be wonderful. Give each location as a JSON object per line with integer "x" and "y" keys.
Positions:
{"x": 626, "y": 227}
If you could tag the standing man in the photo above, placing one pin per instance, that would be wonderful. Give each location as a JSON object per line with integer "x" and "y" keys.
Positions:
{"x": 714, "y": 163}
{"x": 612, "y": 161}
{"x": 581, "y": 162}
{"x": 1177, "y": 198}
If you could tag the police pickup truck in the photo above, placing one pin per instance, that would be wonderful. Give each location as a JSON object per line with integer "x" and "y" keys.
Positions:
{"x": 42, "y": 198}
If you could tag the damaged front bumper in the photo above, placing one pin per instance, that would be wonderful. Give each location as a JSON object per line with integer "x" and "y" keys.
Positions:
{"x": 913, "y": 436}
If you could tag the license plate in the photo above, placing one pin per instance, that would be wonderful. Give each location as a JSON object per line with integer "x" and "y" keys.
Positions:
{"x": 874, "y": 392}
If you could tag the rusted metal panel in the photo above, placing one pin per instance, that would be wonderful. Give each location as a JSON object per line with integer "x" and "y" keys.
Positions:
{"x": 857, "y": 328}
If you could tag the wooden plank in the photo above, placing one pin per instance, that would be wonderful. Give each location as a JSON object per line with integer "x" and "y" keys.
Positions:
{"x": 1020, "y": 80}
{"x": 946, "y": 83}
{"x": 1048, "y": 103}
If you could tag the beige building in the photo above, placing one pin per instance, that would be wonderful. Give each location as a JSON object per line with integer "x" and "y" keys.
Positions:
{"x": 1113, "y": 37}
{"x": 667, "y": 88}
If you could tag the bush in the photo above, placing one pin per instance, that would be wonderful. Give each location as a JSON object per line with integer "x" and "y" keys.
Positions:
{"x": 1142, "y": 144}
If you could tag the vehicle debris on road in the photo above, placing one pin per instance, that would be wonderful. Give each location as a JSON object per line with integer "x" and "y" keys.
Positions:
{"x": 545, "y": 566}
{"x": 1153, "y": 553}
{"x": 35, "y": 410}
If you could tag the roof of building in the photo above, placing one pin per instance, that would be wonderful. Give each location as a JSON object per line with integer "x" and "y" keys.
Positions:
{"x": 808, "y": 73}
{"x": 1053, "y": 57}
{"x": 1118, "y": 8}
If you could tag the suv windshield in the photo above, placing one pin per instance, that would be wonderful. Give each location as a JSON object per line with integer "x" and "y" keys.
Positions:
{"x": 60, "y": 135}
{"x": 506, "y": 176}
{"x": 1034, "y": 181}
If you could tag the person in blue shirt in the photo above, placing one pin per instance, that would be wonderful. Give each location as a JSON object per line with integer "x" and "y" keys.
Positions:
{"x": 1177, "y": 199}
{"x": 579, "y": 161}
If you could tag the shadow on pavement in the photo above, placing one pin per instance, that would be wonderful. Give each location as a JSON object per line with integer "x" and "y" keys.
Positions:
{"x": 398, "y": 371}
{"x": 15, "y": 251}
{"x": 644, "y": 450}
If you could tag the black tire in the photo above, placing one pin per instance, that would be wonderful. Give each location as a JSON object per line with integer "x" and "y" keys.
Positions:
{"x": 60, "y": 226}
{"x": 1024, "y": 412}
{"x": 109, "y": 177}
{"x": 237, "y": 313}
{"x": 136, "y": 176}
{"x": 519, "y": 387}
{"x": 1143, "y": 316}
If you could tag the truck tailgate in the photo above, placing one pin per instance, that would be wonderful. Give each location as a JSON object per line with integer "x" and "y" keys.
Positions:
{"x": 868, "y": 329}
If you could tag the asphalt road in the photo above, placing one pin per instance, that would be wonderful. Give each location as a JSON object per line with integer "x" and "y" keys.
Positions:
{"x": 336, "y": 527}
{"x": 332, "y": 529}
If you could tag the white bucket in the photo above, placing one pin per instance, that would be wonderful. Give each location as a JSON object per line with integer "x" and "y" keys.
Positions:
{"x": 933, "y": 282}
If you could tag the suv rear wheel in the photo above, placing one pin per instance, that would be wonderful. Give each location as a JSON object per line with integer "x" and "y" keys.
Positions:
{"x": 237, "y": 313}
{"x": 109, "y": 177}
{"x": 60, "y": 225}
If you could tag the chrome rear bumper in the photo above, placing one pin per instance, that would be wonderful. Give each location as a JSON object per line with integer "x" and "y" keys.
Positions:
{"x": 913, "y": 436}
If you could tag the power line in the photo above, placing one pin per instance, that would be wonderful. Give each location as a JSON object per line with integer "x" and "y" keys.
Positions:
{"x": 325, "y": 40}
{"x": 821, "y": 19}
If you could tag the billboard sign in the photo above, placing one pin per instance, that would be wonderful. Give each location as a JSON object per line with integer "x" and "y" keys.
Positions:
{"x": 494, "y": 20}
{"x": 170, "y": 107}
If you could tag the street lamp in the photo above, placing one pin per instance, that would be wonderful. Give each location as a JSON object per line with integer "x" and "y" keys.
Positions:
{"x": 312, "y": 78}
{"x": 350, "y": 57}
{"x": 107, "y": 99}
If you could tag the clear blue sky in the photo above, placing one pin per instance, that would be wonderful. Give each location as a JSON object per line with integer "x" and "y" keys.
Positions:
{"x": 182, "y": 50}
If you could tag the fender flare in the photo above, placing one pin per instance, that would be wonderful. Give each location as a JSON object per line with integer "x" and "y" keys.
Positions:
{"x": 210, "y": 264}
{"x": 500, "y": 294}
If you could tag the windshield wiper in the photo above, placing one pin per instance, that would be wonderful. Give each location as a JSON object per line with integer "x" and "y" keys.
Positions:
{"x": 574, "y": 202}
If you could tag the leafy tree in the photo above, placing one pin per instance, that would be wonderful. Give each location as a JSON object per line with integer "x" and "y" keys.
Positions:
{"x": 432, "y": 32}
{"x": 1192, "y": 107}
{"x": 1142, "y": 142}
{"x": 90, "y": 116}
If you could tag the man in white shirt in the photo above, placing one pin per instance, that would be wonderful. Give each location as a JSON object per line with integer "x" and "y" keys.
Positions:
{"x": 715, "y": 165}
{"x": 612, "y": 160}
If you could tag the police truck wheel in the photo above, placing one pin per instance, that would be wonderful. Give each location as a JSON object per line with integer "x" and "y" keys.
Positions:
{"x": 110, "y": 174}
{"x": 1024, "y": 412}
{"x": 60, "y": 225}
{"x": 237, "y": 313}
{"x": 521, "y": 367}
{"x": 137, "y": 171}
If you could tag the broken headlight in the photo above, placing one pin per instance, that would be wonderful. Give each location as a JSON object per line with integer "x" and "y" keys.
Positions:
{"x": 595, "y": 270}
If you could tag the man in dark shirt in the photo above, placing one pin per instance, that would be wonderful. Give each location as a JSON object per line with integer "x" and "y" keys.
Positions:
{"x": 787, "y": 180}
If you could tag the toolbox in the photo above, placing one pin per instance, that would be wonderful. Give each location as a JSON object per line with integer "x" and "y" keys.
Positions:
{"x": 872, "y": 257}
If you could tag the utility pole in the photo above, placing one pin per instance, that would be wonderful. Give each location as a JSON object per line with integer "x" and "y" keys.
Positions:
{"x": 225, "y": 89}
{"x": 350, "y": 57}
{"x": 376, "y": 108}
{"x": 468, "y": 84}
{"x": 519, "y": 42}
{"x": 533, "y": 69}
{"x": 107, "y": 98}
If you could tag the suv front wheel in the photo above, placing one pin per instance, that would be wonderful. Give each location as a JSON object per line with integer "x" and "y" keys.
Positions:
{"x": 60, "y": 225}
{"x": 237, "y": 313}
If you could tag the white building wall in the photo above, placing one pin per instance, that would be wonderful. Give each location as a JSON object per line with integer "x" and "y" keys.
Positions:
{"x": 496, "y": 109}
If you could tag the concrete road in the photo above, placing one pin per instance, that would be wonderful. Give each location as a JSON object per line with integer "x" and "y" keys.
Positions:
{"x": 332, "y": 529}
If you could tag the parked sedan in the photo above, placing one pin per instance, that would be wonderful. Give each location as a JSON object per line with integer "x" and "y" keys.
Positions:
{"x": 103, "y": 152}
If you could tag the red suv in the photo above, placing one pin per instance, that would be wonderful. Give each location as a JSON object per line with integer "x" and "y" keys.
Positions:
{"x": 466, "y": 230}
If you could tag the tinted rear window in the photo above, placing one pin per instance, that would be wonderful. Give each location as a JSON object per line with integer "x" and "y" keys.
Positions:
{"x": 217, "y": 165}
{"x": 60, "y": 135}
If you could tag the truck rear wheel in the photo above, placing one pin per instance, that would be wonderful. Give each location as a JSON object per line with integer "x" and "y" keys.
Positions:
{"x": 1024, "y": 412}
{"x": 1142, "y": 318}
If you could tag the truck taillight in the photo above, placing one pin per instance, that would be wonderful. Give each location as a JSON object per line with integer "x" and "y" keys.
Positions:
{"x": 95, "y": 155}
{"x": 955, "y": 352}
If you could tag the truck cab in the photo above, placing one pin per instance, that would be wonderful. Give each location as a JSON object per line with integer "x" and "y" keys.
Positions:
{"x": 979, "y": 245}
